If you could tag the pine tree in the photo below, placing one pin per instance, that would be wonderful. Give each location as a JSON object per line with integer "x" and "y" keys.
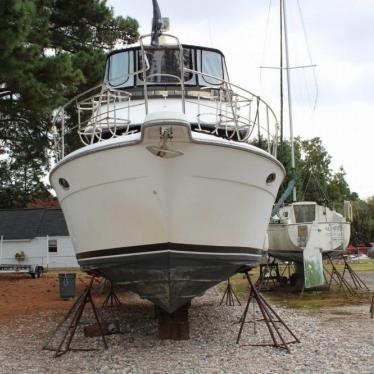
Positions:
{"x": 50, "y": 51}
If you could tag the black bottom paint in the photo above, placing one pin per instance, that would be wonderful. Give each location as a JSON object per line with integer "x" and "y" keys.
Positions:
{"x": 297, "y": 256}
{"x": 170, "y": 279}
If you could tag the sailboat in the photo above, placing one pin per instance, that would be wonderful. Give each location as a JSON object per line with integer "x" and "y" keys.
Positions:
{"x": 166, "y": 194}
{"x": 290, "y": 231}
{"x": 304, "y": 231}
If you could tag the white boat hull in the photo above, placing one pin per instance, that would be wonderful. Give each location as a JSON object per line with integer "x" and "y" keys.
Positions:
{"x": 286, "y": 243}
{"x": 169, "y": 228}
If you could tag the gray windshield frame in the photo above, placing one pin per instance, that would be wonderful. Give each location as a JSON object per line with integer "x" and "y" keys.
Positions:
{"x": 215, "y": 65}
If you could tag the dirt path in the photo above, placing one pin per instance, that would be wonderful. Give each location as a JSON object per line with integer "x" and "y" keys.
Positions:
{"x": 21, "y": 295}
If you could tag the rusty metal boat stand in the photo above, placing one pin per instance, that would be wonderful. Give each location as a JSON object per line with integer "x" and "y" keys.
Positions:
{"x": 269, "y": 276}
{"x": 111, "y": 300}
{"x": 68, "y": 328}
{"x": 334, "y": 275}
{"x": 273, "y": 274}
{"x": 273, "y": 322}
{"x": 229, "y": 297}
{"x": 356, "y": 280}
{"x": 340, "y": 279}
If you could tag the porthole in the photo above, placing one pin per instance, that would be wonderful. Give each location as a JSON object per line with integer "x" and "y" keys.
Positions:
{"x": 271, "y": 178}
{"x": 64, "y": 183}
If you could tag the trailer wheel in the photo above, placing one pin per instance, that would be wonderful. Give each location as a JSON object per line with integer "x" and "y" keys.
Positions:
{"x": 40, "y": 271}
{"x": 37, "y": 273}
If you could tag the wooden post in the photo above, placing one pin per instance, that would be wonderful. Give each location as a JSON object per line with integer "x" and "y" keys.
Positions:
{"x": 174, "y": 326}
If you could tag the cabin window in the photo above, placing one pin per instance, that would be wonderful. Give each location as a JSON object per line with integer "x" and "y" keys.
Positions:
{"x": 52, "y": 246}
{"x": 120, "y": 68}
{"x": 211, "y": 64}
{"x": 304, "y": 213}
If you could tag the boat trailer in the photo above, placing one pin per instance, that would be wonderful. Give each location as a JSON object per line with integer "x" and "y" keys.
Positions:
{"x": 35, "y": 271}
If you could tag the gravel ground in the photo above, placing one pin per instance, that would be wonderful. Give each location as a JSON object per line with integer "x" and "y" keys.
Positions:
{"x": 338, "y": 340}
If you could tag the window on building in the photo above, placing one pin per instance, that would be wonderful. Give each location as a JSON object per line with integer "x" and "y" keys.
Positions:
{"x": 52, "y": 246}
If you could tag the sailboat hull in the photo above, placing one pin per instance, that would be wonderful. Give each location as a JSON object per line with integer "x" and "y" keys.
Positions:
{"x": 287, "y": 241}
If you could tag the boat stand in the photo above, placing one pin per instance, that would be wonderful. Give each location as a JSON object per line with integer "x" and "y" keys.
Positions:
{"x": 75, "y": 314}
{"x": 229, "y": 297}
{"x": 357, "y": 281}
{"x": 340, "y": 280}
{"x": 270, "y": 276}
{"x": 270, "y": 317}
{"x": 337, "y": 278}
{"x": 111, "y": 300}
{"x": 288, "y": 269}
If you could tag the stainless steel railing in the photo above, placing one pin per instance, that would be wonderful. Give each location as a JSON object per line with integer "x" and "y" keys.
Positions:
{"x": 238, "y": 113}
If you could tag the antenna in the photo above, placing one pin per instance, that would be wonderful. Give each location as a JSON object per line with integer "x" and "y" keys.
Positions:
{"x": 159, "y": 24}
{"x": 156, "y": 24}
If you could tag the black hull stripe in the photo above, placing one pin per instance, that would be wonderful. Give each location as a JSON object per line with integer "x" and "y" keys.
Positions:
{"x": 168, "y": 246}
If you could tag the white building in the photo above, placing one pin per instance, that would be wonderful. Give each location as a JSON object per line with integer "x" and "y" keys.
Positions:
{"x": 35, "y": 237}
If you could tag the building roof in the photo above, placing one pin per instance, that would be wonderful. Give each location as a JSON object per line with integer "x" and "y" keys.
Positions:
{"x": 30, "y": 223}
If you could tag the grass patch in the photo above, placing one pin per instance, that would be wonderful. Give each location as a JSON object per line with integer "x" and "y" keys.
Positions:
{"x": 367, "y": 265}
{"x": 311, "y": 299}
{"x": 318, "y": 299}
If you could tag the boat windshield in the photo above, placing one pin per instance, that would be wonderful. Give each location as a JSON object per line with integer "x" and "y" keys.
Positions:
{"x": 165, "y": 61}
{"x": 305, "y": 213}
{"x": 122, "y": 66}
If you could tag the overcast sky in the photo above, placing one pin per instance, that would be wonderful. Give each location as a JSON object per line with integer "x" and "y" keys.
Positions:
{"x": 340, "y": 39}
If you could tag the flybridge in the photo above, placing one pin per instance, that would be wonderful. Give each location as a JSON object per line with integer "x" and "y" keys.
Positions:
{"x": 161, "y": 75}
{"x": 183, "y": 79}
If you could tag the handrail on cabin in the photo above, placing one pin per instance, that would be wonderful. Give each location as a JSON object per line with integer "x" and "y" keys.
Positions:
{"x": 121, "y": 99}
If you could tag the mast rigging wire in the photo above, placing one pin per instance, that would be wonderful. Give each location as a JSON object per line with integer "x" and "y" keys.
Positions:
{"x": 265, "y": 41}
{"x": 309, "y": 53}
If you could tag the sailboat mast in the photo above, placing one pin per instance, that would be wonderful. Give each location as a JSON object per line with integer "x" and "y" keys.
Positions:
{"x": 288, "y": 75}
{"x": 281, "y": 74}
